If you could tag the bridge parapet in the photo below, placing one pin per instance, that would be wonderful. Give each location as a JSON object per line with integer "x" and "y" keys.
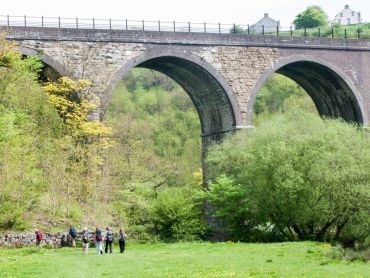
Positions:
{"x": 182, "y": 38}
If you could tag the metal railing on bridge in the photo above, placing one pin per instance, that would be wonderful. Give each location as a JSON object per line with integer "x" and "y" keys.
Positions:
{"x": 342, "y": 32}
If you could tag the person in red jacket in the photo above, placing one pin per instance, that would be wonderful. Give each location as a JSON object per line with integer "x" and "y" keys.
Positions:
{"x": 38, "y": 237}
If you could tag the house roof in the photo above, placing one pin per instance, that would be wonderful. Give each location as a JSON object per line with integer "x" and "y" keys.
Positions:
{"x": 347, "y": 9}
{"x": 266, "y": 20}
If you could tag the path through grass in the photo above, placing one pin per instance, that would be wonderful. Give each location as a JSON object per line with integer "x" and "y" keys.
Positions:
{"x": 307, "y": 259}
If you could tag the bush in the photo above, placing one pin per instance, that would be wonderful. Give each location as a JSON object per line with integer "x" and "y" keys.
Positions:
{"x": 313, "y": 16}
{"x": 350, "y": 254}
{"x": 307, "y": 177}
{"x": 176, "y": 215}
{"x": 11, "y": 217}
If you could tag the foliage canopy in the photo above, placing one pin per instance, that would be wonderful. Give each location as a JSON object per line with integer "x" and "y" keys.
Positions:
{"x": 313, "y": 16}
{"x": 296, "y": 174}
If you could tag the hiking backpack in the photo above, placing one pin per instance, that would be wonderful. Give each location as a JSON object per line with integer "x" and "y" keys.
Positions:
{"x": 98, "y": 236}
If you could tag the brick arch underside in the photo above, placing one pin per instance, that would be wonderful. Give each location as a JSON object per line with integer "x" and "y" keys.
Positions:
{"x": 332, "y": 96}
{"x": 215, "y": 110}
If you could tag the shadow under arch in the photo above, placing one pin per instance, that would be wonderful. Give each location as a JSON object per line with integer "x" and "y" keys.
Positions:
{"x": 52, "y": 68}
{"x": 331, "y": 90}
{"x": 213, "y": 98}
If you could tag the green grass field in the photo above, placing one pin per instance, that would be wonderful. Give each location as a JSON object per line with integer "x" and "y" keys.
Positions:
{"x": 305, "y": 259}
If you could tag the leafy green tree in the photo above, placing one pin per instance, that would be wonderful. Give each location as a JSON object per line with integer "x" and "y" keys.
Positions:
{"x": 278, "y": 95}
{"x": 305, "y": 176}
{"x": 176, "y": 215}
{"x": 28, "y": 123}
{"x": 237, "y": 29}
{"x": 157, "y": 145}
{"x": 313, "y": 16}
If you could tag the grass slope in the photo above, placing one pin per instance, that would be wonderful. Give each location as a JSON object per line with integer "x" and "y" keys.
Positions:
{"x": 306, "y": 259}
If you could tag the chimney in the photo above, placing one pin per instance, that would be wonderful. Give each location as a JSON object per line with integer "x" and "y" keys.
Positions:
{"x": 266, "y": 14}
{"x": 346, "y": 7}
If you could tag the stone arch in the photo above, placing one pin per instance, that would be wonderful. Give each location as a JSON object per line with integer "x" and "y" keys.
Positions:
{"x": 54, "y": 67}
{"x": 332, "y": 91}
{"x": 213, "y": 98}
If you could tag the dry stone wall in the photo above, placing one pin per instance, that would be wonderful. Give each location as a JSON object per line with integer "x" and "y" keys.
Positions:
{"x": 29, "y": 239}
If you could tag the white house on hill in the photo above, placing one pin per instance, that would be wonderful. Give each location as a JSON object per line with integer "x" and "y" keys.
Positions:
{"x": 266, "y": 24}
{"x": 347, "y": 17}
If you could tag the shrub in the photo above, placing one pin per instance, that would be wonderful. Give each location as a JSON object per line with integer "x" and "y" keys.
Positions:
{"x": 176, "y": 215}
{"x": 307, "y": 176}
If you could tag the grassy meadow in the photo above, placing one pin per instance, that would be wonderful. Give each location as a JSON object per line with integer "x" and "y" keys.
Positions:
{"x": 303, "y": 259}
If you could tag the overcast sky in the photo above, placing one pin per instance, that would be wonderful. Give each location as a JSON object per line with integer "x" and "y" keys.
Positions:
{"x": 231, "y": 11}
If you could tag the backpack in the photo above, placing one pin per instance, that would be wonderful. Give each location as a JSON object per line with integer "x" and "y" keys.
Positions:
{"x": 38, "y": 236}
{"x": 73, "y": 232}
{"x": 98, "y": 236}
{"x": 122, "y": 236}
{"x": 109, "y": 236}
{"x": 85, "y": 238}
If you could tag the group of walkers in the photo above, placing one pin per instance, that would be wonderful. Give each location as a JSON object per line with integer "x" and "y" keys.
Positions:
{"x": 97, "y": 237}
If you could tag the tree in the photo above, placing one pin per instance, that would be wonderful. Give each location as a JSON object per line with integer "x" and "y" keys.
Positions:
{"x": 84, "y": 141}
{"x": 176, "y": 215}
{"x": 237, "y": 29}
{"x": 312, "y": 17}
{"x": 305, "y": 176}
{"x": 28, "y": 127}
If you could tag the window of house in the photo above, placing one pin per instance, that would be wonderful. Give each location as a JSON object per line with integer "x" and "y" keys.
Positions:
{"x": 348, "y": 21}
{"x": 341, "y": 14}
{"x": 353, "y": 13}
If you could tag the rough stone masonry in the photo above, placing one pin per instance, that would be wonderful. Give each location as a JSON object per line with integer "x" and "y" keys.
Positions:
{"x": 222, "y": 73}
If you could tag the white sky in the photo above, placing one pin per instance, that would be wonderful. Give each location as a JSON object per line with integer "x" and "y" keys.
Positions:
{"x": 231, "y": 11}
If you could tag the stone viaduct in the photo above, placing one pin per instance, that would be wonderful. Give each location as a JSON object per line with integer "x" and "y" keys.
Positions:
{"x": 222, "y": 73}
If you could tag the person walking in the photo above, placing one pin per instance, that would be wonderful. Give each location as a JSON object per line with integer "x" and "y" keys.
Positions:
{"x": 73, "y": 234}
{"x": 38, "y": 237}
{"x": 122, "y": 240}
{"x": 85, "y": 241}
{"x": 108, "y": 240}
{"x": 98, "y": 241}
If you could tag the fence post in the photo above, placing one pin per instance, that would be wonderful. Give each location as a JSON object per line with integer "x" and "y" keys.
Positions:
{"x": 76, "y": 22}
{"x": 8, "y": 20}
{"x": 59, "y": 22}
{"x": 248, "y": 30}
{"x": 174, "y": 26}
{"x": 291, "y": 31}
{"x": 110, "y": 24}
{"x": 219, "y": 28}
{"x": 305, "y": 32}
{"x": 159, "y": 25}
{"x": 25, "y": 21}
{"x": 345, "y": 33}
{"x": 42, "y": 21}
{"x": 332, "y": 33}
{"x": 358, "y": 33}
{"x": 93, "y": 23}
{"x": 319, "y": 32}
{"x": 126, "y": 24}
{"x": 205, "y": 27}
{"x": 143, "y": 25}
{"x": 277, "y": 30}
{"x": 234, "y": 26}
{"x": 189, "y": 28}
{"x": 263, "y": 29}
